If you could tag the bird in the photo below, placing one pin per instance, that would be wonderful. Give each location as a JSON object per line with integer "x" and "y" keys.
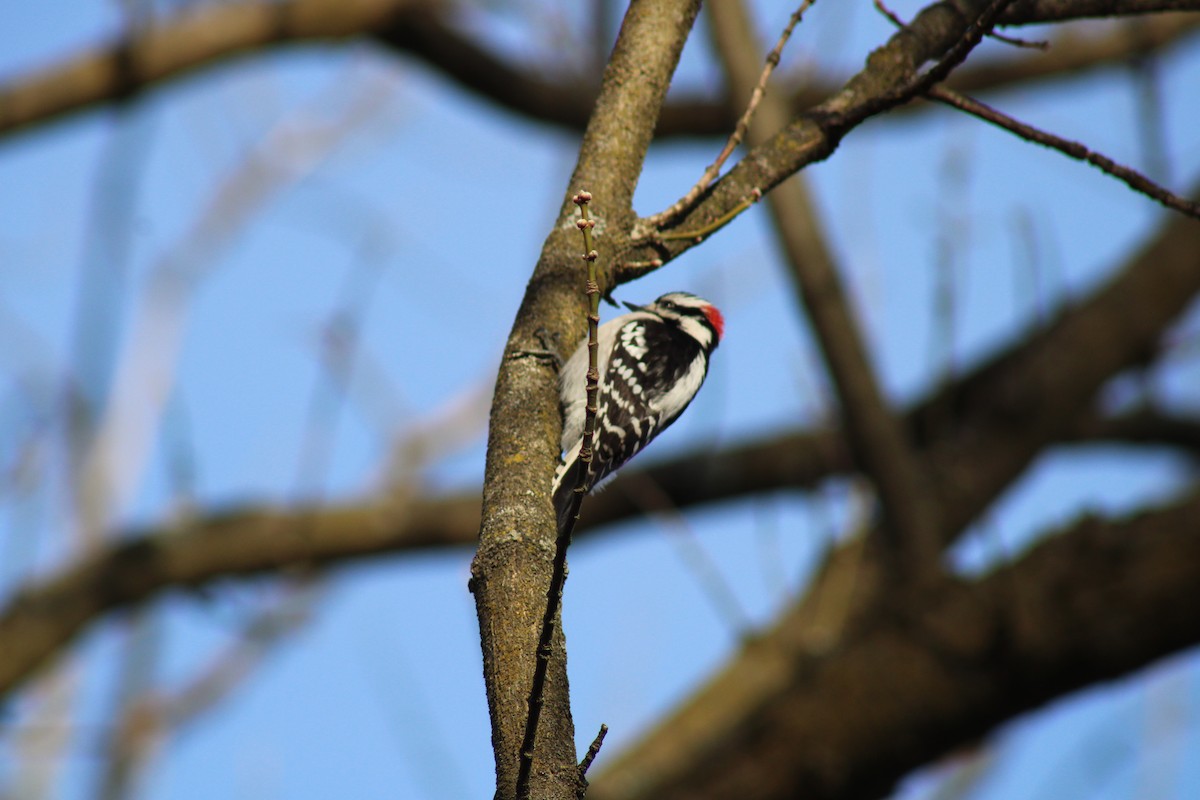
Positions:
{"x": 651, "y": 362}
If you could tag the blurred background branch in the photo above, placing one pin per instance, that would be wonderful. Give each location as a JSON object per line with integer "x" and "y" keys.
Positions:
{"x": 246, "y": 345}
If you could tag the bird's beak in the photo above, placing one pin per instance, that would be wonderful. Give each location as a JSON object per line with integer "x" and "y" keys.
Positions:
{"x": 633, "y": 307}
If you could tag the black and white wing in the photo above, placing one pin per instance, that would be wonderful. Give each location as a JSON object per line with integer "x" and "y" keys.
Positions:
{"x": 652, "y": 373}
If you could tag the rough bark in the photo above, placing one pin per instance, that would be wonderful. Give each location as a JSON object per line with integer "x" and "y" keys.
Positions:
{"x": 511, "y": 570}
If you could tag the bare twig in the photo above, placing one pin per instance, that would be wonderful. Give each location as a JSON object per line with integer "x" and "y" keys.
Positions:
{"x": 664, "y": 217}
{"x": 558, "y": 575}
{"x": 1134, "y": 179}
{"x": 1130, "y": 177}
{"x": 1028, "y": 44}
{"x": 592, "y": 751}
{"x": 890, "y": 15}
{"x": 585, "y": 225}
{"x": 954, "y": 56}
{"x": 718, "y": 223}
{"x": 894, "y": 18}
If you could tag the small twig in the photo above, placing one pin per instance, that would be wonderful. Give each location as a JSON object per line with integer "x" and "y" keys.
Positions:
{"x": 919, "y": 83}
{"x": 558, "y": 573}
{"x": 894, "y": 18}
{"x": 590, "y": 756}
{"x": 704, "y": 230}
{"x": 739, "y": 132}
{"x": 891, "y": 16}
{"x": 839, "y": 121}
{"x": 1130, "y": 177}
{"x": 974, "y": 34}
{"x": 1029, "y": 44}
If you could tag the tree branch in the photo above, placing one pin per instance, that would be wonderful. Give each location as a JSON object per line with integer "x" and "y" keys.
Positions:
{"x": 927, "y": 670}
{"x": 1130, "y": 177}
{"x": 1033, "y": 12}
{"x": 1019, "y": 404}
{"x": 875, "y": 435}
{"x": 889, "y": 79}
{"x": 193, "y": 40}
{"x": 213, "y": 34}
{"x": 512, "y": 565}
{"x": 1141, "y": 426}
{"x": 1034, "y": 394}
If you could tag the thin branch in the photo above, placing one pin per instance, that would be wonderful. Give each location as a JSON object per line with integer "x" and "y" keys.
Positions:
{"x": 894, "y": 18}
{"x": 698, "y": 234}
{"x": 1130, "y": 177}
{"x": 891, "y": 78}
{"x": 917, "y": 84}
{"x": 739, "y": 132}
{"x": 558, "y": 574}
{"x": 592, "y": 751}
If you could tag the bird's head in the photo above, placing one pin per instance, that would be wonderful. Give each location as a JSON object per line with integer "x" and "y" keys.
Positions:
{"x": 695, "y": 315}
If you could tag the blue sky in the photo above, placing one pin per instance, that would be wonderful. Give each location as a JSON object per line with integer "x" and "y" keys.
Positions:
{"x": 428, "y": 211}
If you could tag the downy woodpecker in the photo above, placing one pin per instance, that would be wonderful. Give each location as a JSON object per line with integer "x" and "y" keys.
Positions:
{"x": 652, "y": 361}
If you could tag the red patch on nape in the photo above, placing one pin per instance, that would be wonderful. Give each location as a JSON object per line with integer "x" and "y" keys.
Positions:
{"x": 718, "y": 321}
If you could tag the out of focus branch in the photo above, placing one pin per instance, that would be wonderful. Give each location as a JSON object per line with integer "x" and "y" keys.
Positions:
{"x": 1021, "y": 637}
{"x": 1073, "y": 52}
{"x": 1009, "y": 409}
{"x": 1141, "y": 426}
{"x": 145, "y": 374}
{"x": 196, "y": 38}
{"x": 876, "y": 436}
{"x": 152, "y": 717}
{"x": 46, "y": 615}
{"x": 213, "y": 34}
{"x": 1029, "y": 12}
{"x": 926, "y": 671}
{"x": 979, "y": 433}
